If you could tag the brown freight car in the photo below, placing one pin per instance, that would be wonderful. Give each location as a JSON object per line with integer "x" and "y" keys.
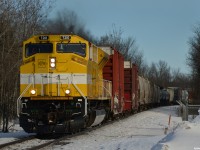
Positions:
{"x": 114, "y": 71}
{"x": 130, "y": 87}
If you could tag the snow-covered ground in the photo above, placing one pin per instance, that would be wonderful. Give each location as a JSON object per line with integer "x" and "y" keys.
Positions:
{"x": 147, "y": 130}
{"x": 15, "y": 133}
{"x": 185, "y": 137}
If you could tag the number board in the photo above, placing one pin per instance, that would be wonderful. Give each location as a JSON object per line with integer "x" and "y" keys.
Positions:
{"x": 43, "y": 37}
{"x": 65, "y": 37}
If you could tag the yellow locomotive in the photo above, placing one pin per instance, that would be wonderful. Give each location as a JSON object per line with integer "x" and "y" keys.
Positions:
{"x": 61, "y": 84}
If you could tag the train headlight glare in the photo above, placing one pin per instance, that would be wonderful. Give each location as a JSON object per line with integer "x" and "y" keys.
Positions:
{"x": 53, "y": 60}
{"x": 53, "y": 64}
{"x": 67, "y": 91}
{"x": 33, "y": 92}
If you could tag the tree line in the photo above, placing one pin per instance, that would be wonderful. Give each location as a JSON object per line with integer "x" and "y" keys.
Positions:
{"x": 193, "y": 60}
{"x": 20, "y": 19}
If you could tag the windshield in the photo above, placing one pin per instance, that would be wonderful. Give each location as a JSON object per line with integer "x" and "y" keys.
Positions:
{"x": 34, "y": 48}
{"x": 77, "y": 48}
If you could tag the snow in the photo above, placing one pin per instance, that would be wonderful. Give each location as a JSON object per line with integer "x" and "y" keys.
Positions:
{"x": 185, "y": 137}
{"x": 15, "y": 133}
{"x": 196, "y": 120}
{"x": 149, "y": 130}
{"x": 138, "y": 132}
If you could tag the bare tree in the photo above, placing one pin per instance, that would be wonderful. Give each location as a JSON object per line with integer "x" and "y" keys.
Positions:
{"x": 160, "y": 74}
{"x": 114, "y": 39}
{"x": 126, "y": 46}
{"x": 181, "y": 80}
{"x": 193, "y": 60}
{"x": 6, "y": 48}
{"x": 18, "y": 20}
{"x": 33, "y": 14}
{"x": 164, "y": 75}
{"x": 153, "y": 73}
{"x": 194, "y": 51}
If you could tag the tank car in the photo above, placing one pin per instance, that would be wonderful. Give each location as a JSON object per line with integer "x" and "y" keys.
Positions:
{"x": 154, "y": 94}
{"x": 170, "y": 90}
{"x": 61, "y": 84}
{"x": 144, "y": 93}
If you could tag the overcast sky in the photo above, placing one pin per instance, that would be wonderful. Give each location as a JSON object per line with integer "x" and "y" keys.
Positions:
{"x": 161, "y": 28}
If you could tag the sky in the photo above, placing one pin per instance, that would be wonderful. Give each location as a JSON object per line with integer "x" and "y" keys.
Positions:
{"x": 162, "y": 28}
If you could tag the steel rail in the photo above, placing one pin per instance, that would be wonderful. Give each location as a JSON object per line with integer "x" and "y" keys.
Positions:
{"x": 17, "y": 141}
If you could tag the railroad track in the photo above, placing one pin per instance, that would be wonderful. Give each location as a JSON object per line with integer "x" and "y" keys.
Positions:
{"x": 35, "y": 142}
{"x": 26, "y": 143}
{"x": 68, "y": 136}
{"x": 24, "y": 139}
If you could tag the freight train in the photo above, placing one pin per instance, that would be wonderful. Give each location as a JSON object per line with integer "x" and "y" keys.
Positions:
{"x": 171, "y": 95}
{"x": 67, "y": 84}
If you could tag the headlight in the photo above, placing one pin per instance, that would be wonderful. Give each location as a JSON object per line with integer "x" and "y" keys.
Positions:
{"x": 53, "y": 60}
{"x": 33, "y": 92}
{"x": 53, "y": 63}
{"x": 67, "y": 91}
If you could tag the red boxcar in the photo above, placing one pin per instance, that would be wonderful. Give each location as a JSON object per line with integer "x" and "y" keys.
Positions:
{"x": 114, "y": 71}
{"x": 130, "y": 87}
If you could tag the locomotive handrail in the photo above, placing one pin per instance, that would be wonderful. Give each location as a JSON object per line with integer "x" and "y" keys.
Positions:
{"x": 110, "y": 94}
{"x": 107, "y": 89}
{"x": 179, "y": 102}
{"x": 76, "y": 87}
{"x": 19, "y": 98}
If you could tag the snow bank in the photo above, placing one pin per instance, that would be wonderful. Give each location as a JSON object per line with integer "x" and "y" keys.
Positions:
{"x": 184, "y": 137}
{"x": 197, "y": 119}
